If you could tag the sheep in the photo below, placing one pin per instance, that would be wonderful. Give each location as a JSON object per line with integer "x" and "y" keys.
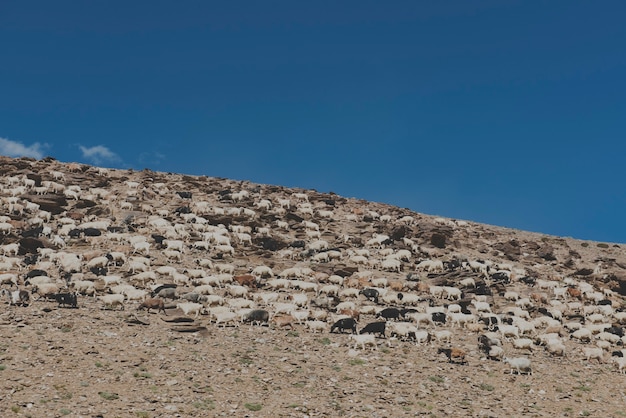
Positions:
{"x": 5, "y": 228}
{"x": 523, "y": 344}
{"x": 509, "y": 330}
{"x": 225, "y": 268}
{"x": 454, "y": 354}
{"x": 204, "y": 289}
{"x": 10, "y": 249}
{"x": 436, "y": 291}
{"x": 610, "y": 337}
{"x": 481, "y": 306}
{"x": 620, "y": 363}
{"x": 555, "y": 347}
{"x": 461, "y": 319}
{"x": 16, "y": 297}
{"x": 519, "y": 364}
{"x": 390, "y": 264}
{"x": 112, "y": 300}
{"x": 281, "y": 321}
{"x": 9, "y": 278}
{"x": 167, "y": 293}
{"x": 343, "y": 324}
{"x": 403, "y": 330}
{"x": 443, "y": 336}
{"x": 239, "y": 303}
{"x": 246, "y": 280}
{"x": 45, "y": 290}
{"x": 84, "y": 287}
{"x": 582, "y": 334}
{"x": 420, "y": 317}
{"x": 237, "y": 291}
{"x": 262, "y": 271}
{"x": 226, "y": 317}
{"x": 256, "y": 316}
{"x": 422, "y": 337}
{"x": 431, "y": 266}
{"x": 66, "y": 299}
{"x": 468, "y": 282}
{"x": 316, "y": 325}
{"x": 135, "y": 294}
{"x": 593, "y": 353}
{"x": 153, "y": 303}
{"x": 329, "y": 290}
{"x": 191, "y": 308}
{"x": 211, "y": 300}
{"x": 495, "y": 353}
{"x": 363, "y": 341}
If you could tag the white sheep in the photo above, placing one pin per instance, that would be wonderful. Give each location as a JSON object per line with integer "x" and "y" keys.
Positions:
{"x": 226, "y": 317}
{"x": 523, "y": 344}
{"x": 10, "y": 249}
{"x": 191, "y": 308}
{"x": 10, "y": 278}
{"x": 316, "y": 325}
{"x": 113, "y": 300}
{"x": 363, "y": 341}
{"x": 582, "y": 334}
{"x": 519, "y": 364}
{"x": 620, "y": 363}
{"x": 401, "y": 330}
{"x": 263, "y": 271}
{"x": 593, "y": 353}
{"x": 390, "y": 264}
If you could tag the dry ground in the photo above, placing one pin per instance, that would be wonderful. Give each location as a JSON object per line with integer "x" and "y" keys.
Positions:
{"x": 91, "y": 362}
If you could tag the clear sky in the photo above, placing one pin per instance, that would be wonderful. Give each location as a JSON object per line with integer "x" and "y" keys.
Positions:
{"x": 510, "y": 113}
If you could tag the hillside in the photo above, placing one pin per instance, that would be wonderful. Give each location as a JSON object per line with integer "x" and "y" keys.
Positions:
{"x": 99, "y": 361}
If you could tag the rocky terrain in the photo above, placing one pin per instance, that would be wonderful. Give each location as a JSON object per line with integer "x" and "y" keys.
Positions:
{"x": 100, "y": 361}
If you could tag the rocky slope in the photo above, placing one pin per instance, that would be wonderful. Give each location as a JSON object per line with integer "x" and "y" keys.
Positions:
{"x": 91, "y": 361}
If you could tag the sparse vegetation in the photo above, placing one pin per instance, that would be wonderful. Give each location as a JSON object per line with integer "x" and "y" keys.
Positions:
{"x": 109, "y": 396}
{"x": 204, "y": 404}
{"x": 487, "y": 387}
{"x": 253, "y": 406}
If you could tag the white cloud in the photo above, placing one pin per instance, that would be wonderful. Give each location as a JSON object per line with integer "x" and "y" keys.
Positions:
{"x": 17, "y": 149}
{"x": 151, "y": 158}
{"x": 99, "y": 154}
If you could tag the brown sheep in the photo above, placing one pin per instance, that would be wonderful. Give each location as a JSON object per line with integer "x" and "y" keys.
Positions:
{"x": 574, "y": 293}
{"x": 154, "y": 303}
{"x": 284, "y": 321}
{"x": 246, "y": 280}
{"x": 352, "y": 313}
{"x": 455, "y": 355}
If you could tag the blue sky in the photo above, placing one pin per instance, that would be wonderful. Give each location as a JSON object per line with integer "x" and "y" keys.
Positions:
{"x": 509, "y": 113}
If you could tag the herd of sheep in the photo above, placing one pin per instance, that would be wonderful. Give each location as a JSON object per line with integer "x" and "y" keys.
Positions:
{"x": 184, "y": 247}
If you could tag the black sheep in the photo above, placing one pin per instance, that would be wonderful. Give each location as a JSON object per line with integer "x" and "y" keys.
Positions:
{"x": 66, "y": 299}
{"x": 439, "y": 317}
{"x": 344, "y": 323}
{"x": 389, "y": 313}
{"x": 257, "y": 316}
{"x": 370, "y": 294}
{"x": 374, "y": 328}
